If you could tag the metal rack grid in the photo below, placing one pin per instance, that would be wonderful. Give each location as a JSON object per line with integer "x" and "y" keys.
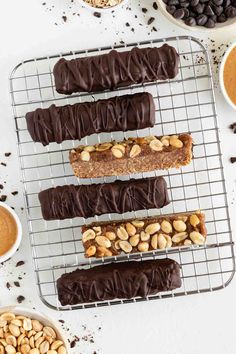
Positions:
{"x": 185, "y": 104}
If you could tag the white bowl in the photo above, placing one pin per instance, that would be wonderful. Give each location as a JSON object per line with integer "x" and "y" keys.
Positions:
{"x": 106, "y": 9}
{"x": 221, "y": 76}
{"x": 35, "y": 315}
{"x": 14, "y": 248}
{"x": 219, "y": 26}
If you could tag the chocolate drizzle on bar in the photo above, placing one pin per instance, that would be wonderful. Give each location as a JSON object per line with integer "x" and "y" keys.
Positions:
{"x": 116, "y": 69}
{"x": 118, "y": 281}
{"x": 72, "y": 122}
{"x": 70, "y": 201}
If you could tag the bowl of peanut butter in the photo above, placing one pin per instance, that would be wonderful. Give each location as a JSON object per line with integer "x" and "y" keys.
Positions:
{"x": 228, "y": 75}
{"x": 10, "y": 232}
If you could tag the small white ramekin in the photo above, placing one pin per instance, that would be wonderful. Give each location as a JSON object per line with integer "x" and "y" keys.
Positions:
{"x": 35, "y": 315}
{"x": 219, "y": 26}
{"x": 14, "y": 248}
{"x": 221, "y": 76}
{"x": 106, "y": 9}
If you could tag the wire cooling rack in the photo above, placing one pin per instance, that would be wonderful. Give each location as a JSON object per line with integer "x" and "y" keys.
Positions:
{"x": 185, "y": 104}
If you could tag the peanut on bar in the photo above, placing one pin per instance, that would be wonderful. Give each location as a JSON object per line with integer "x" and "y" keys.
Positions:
{"x": 130, "y": 236}
{"x": 133, "y": 155}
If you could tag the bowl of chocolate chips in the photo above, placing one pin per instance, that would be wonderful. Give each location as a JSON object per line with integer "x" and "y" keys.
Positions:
{"x": 200, "y": 15}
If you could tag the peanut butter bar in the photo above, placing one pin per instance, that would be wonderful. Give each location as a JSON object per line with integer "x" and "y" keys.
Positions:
{"x": 130, "y": 236}
{"x": 133, "y": 155}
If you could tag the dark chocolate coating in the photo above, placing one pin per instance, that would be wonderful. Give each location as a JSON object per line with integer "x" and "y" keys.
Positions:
{"x": 119, "y": 197}
{"x": 71, "y": 122}
{"x": 124, "y": 280}
{"x": 116, "y": 69}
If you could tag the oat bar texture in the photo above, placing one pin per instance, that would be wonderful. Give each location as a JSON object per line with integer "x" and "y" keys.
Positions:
{"x": 116, "y": 69}
{"x": 70, "y": 201}
{"x": 72, "y": 122}
{"x": 134, "y": 155}
{"x": 124, "y": 280}
{"x": 108, "y": 239}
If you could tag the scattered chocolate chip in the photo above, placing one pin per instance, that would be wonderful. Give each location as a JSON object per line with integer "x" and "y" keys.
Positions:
{"x": 3, "y": 198}
{"x": 14, "y": 193}
{"x": 154, "y": 29}
{"x": 155, "y": 6}
{"x": 144, "y": 10}
{"x": 61, "y": 321}
{"x": 17, "y": 284}
{"x": 233, "y": 159}
{"x": 73, "y": 343}
{"x": 20, "y": 263}
{"x": 97, "y": 14}
{"x": 151, "y": 20}
{"x": 127, "y": 24}
{"x": 3, "y": 164}
{"x": 8, "y": 285}
{"x": 7, "y": 154}
{"x": 64, "y": 18}
{"x": 1, "y": 186}
{"x": 20, "y": 299}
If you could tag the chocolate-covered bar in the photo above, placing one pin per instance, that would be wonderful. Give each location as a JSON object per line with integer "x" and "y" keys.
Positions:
{"x": 133, "y": 155}
{"x": 124, "y": 280}
{"x": 111, "y": 238}
{"x": 72, "y": 122}
{"x": 70, "y": 201}
{"x": 116, "y": 69}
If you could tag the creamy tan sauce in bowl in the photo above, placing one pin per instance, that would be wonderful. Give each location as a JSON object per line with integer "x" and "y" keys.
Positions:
{"x": 8, "y": 231}
{"x": 229, "y": 75}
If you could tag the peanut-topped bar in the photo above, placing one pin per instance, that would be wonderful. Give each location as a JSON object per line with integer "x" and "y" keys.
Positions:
{"x": 133, "y": 155}
{"x": 112, "y": 238}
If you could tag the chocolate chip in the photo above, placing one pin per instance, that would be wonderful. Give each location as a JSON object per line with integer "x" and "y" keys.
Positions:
{"x": 8, "y": 285}
{"x": 73, "y": 343}
{"x": 97, "y": 14}
{"x": 217, "y": 2}
{"x": 233, "y": 159}
{"x": 199, "y": 8}
{"x": 190, "y": 21}
{"x": 208, "y": 11}
{"x": 3, "y": 164}
{"x": 7, "y": 154}
{"x": 230, "y": 12}
{"x": 1, "y": 186}
{"x": 64, "y": 18}
{"x": 127, "y": 24}
{"x": 144, "y": 10}
{"x": 151, "y": 20}
{"x": 201, "y": 20}
{"x": 155, "y": 6}
{"x": 20, "y": 299}
{"x": 171, "y": 9}
{"x": 194, "y": 3}
{"x": 3, "y": 198}
{"x": 226, "y": 3}
{"x": 217, "y": 10}
{"x": 222, "y": 18}
{"x": 210, "y": 23}
{"x": 17, "y": 284}
{"x": 173, "y": 2}
{"x": 186, "y": 13}
{"x": 179, "y": 14}
{"x": 20, "y": 263}
{"x": 14, "y": 193}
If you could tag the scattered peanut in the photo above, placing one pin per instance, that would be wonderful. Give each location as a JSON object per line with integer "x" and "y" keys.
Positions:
{"x": 91, "y": 251}
{"x": 175, "y": 142}
{"x": 122, "y": 233}
{"x": 125, "y": 246}
{"x": 138, "y": 223}
{"x": 143, "y": 246}
{"x": 156, "y": 145}
{"x": 134, "y": 240}
{"x": 181, "y": 236}
{"x": 144, "y": 236}
{"x": 152, "y": 228}
{"x": 85, "y": 156}
{"x": 161, "y": 240}
{"x": 103, "y": 241}
{"x": 118, "y": 151}
{"x": 88, "y": 235}
{"x": 110, "y": 235}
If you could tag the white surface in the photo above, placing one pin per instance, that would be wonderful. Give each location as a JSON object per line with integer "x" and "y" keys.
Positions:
{"x": 187, "y": 325}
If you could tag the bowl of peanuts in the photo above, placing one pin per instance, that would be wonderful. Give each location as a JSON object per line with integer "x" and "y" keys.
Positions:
{"x": 26, "y": 331}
